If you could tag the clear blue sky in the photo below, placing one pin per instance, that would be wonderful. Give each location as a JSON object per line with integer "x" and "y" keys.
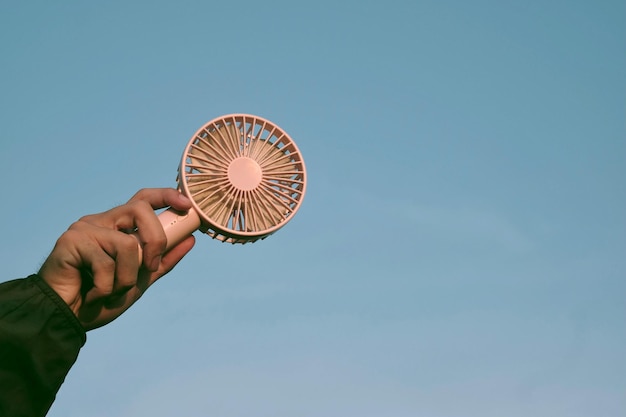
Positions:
{"x": 461, "y": 250}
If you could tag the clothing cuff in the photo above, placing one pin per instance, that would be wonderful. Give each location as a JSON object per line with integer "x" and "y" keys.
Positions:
{"x": 61, "y": 305}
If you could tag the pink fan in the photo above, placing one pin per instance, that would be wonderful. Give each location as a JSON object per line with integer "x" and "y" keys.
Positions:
{"x": 245, "y": 177}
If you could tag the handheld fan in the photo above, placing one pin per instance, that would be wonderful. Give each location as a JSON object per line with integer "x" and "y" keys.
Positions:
{"x": 245, "y": 177}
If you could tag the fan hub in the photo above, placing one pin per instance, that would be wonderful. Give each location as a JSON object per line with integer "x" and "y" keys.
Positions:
{"x": 245, "y": 173}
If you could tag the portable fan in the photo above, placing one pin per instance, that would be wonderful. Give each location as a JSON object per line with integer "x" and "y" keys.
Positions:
{"x": 245, "y": 177}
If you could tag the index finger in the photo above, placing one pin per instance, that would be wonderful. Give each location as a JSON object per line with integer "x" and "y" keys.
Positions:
{"x": 163, "y": 197}
{"x": 149, "y": 231}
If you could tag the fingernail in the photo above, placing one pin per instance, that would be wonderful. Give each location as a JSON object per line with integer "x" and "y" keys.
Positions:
{"x": 184, "y": 199}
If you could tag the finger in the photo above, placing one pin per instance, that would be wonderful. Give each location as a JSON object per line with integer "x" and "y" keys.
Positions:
{"x": 163, "y": 197}
{"x": 101, "y": 268}
{"x": 149, "y": 232}
{"x": 139, "y": 214}
{"x": 110, "y": 256}
{"x": 125, "y": 252}
{"x": 136, "y": 217}
{"x": 153, "y": 238}
{"x": 121, "y": 217}
{"x": 169, "y": 261}
{"x": 175, "y": 255}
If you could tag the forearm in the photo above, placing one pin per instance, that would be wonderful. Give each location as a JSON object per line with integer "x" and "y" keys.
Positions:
{"x": 40, "y": 339}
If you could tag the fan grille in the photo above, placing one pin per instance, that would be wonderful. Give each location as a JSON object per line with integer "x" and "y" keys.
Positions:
{"x": 245, "y": 176}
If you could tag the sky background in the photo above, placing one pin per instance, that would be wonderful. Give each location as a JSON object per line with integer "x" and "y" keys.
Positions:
{"x": 461, "y": 250}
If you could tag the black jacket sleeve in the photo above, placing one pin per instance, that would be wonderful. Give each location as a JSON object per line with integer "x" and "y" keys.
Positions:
{"x": 40, "y": 339}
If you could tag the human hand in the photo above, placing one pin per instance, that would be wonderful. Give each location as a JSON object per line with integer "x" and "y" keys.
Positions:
{"x": 95, "y": 265}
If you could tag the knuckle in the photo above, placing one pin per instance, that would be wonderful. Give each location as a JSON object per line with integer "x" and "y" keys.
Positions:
{"x": 69, "y": 234}
{"x": 89, "y": 218}
{"x": 72, "y": 236}
{"x": 160, "y": 241}
{"x": 128, "y": 242}
{"x": 106, "y": 265}
{"x": 140, "y": 195}
{"x": 77, "y": 225}
{"x": 139, "y": 206}
{"x": 155, "y": 244}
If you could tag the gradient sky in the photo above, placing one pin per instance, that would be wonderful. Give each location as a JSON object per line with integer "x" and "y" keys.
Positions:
{"x": 461, "y": 250}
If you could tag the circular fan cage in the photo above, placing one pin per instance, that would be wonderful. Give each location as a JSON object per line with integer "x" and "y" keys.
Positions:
{"x": 245, "y": 177}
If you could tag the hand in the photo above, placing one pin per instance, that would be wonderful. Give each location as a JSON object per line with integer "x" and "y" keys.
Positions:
{"x": 95, "y": 266}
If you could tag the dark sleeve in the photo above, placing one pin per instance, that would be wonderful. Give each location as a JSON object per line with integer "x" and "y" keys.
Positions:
{"x": 40, "y": 339}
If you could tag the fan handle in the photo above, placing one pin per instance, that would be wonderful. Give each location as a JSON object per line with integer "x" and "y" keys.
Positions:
{"x": 177, "y": 226}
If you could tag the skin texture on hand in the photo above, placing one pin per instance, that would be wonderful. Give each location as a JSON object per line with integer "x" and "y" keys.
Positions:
{"x": 95, "y": 267}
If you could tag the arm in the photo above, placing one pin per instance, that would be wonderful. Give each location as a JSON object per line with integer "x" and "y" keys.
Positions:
{"x": 39, "y": 341}
{"x": 90, "y": 278}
